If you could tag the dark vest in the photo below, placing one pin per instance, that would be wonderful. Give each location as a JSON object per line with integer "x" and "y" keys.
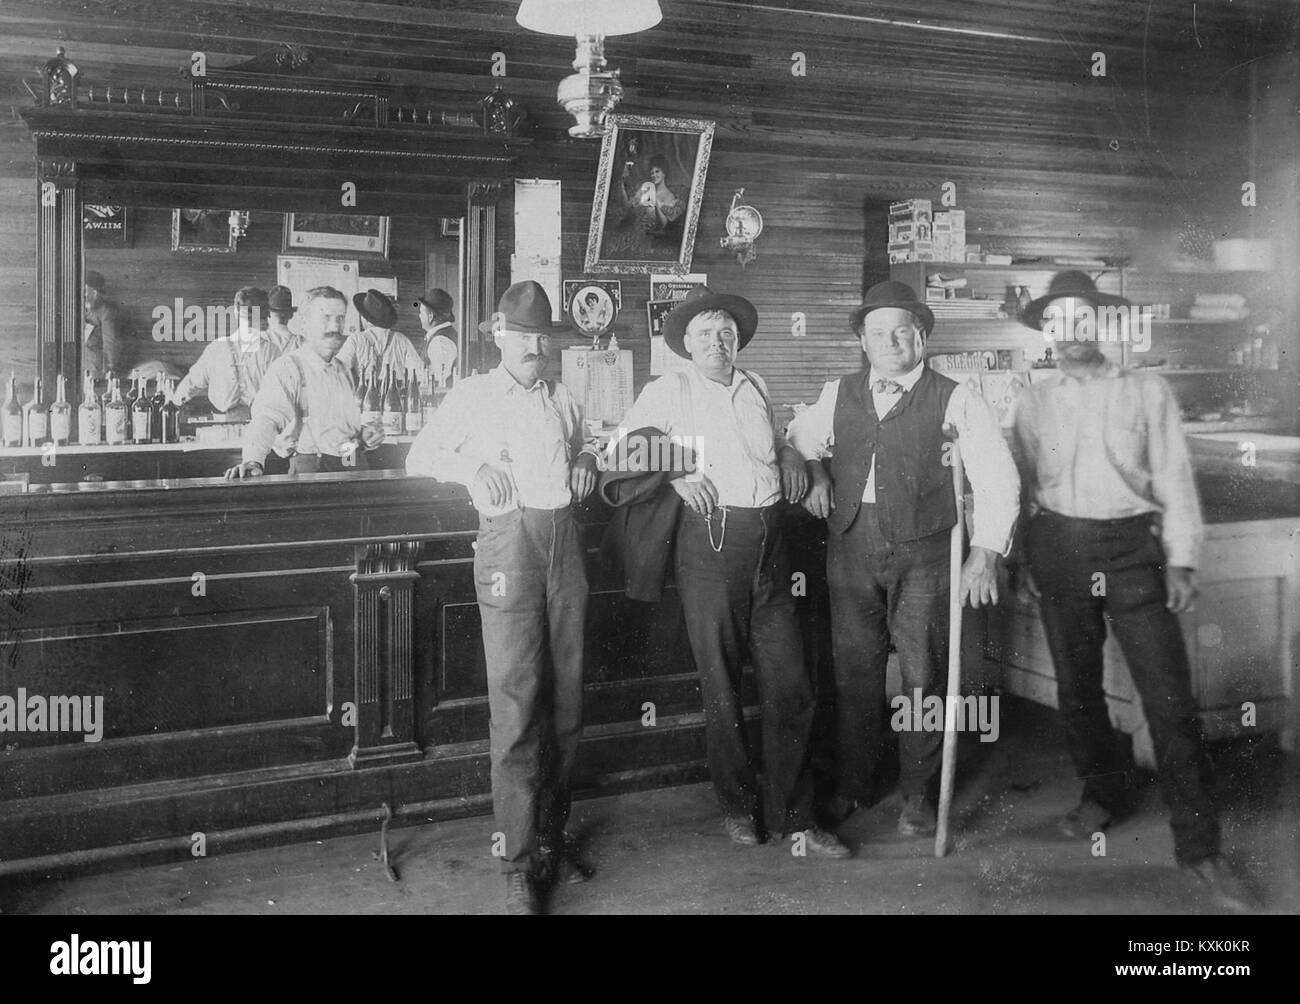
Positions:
{"x": 913, "y": 487}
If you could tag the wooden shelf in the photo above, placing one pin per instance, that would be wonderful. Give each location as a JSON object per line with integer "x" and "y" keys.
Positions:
{"x": 1256, "y": 423}
{"x": 1028, "y": 267}
{"x": 1201, "y": 370}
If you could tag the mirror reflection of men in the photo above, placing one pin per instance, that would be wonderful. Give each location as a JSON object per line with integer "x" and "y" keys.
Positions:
{"x": 438, "y": 320}
{"x": 517, "y": 442}
{"x": 1110, "y": 487}
{"x": 306, "y": 408}
{"x": 889, "y": 509}
{"x": 230, "y": 370}
{"x": 281, "y": 308}
{"x": 107, "y": 337}
{"x": 733, "y": 572}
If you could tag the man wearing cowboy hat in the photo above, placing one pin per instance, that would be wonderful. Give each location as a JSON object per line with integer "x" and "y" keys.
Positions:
{"x": 378, "y": 346}
{"x": 889, "y": 507}
{"x": 1114, "y": 537}
{"x": 439, "y": 323}
{"x": 517, "y": 443}
{"x": 732, "y": 570}
{"x": 281, "y": 308}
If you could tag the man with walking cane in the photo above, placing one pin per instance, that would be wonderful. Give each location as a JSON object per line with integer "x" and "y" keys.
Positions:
{"x": 889, "y": 505}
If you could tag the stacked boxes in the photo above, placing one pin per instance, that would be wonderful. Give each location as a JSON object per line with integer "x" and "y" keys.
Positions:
{"x": 911, "y": 231}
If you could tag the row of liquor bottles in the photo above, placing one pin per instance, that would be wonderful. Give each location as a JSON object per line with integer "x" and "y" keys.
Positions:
{"x": 115, "y": 418}
{"x": 397, "y": 404}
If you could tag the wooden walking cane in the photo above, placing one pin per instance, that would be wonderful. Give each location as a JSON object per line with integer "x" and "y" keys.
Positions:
{"x": 952, "y": 702}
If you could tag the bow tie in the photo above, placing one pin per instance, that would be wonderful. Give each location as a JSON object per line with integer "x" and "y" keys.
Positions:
{"x": 883, "y": 386}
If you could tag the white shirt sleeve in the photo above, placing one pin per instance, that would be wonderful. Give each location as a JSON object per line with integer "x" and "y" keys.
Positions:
{"x": 440, "y": 450}
{"x": 812, "y": 432}
{"x": 990, "y": 467}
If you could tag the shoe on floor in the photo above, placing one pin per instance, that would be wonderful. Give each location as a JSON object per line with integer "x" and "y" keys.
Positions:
{"x": 821, "y": 844}
{"x": 1217, "y": 881}
{"x": 522, "y": 899}
{"x": 839, "y": 808}
{"x": 1085, "y": 819}
{"x": 565, "y": 865}
{"x": 918, "y": 818}
{"x": 741, "y": 830}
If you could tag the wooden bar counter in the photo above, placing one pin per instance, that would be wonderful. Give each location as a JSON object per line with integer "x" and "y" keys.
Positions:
{"x": 281, "y": 658}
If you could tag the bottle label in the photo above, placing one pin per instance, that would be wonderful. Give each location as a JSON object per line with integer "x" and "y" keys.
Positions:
{"x": 37, "y": 426}
{"x": 369, "y": 417}
{"x": 115, "y": 426}
{"x": 13, "y": 430}
{"x": 60, "y": 426}
{"x": 88, "y": 426}
{"x": 414, "y": 421}
{"x": 393, "y": 423}
{"x": 140, "y": 426}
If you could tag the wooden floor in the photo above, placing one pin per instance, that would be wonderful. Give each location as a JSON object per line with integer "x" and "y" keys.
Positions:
{"x": 663, "y": 852}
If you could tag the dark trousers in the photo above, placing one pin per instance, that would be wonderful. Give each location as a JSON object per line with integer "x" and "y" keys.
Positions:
{"x": 739, "y": 598}
{"x": 531, "y": 578}
{"x": 1071, "y": 560}
{"x": 882, "y": 592}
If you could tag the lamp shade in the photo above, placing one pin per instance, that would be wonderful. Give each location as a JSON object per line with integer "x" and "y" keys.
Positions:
{"x": 589, "y": 17}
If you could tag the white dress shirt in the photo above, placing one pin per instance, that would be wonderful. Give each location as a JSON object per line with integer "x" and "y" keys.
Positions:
{"x": 1109, "y": 444}
{"x": 230, "y": 370}
{"x": 984, "y": 452}
{"x": 534, "y": 434}
{"x": 731, "y": 428}
{"x": 305, "y": 405}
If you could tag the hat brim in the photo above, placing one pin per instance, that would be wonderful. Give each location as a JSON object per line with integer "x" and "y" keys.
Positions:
{"x": 1032, "y": 317}
{"x": 359, "y": 299}
{"x": 492, "y": 327}
{"x": 675, "y": 323}
{"x": 918, "y": 310}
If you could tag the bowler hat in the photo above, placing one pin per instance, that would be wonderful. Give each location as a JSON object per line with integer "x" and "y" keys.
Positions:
{"x": 280, "y": 299}
{"x": 94, "y": 280}
{"x": 437, "y": 300}
{"x": 699, "y": 300}
{"x": 523, "y": 307}
{"x": 1077, "y": 285}
{"x": 376, "y": 309}
{"x": 892, "y": 294}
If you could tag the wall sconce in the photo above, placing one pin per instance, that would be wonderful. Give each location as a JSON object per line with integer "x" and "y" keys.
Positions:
{"x": 590, "y": 94}
{"x": 744, "y": 224}
{"x": 59, "y": 82}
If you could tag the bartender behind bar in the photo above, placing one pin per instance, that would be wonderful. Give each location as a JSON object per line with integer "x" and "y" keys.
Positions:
{"x": 230, "y": 370}
{"x": 306, "y": 408}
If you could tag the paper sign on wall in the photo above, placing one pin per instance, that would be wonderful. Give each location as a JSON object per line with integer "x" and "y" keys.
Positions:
{"x": 537, "y": 237}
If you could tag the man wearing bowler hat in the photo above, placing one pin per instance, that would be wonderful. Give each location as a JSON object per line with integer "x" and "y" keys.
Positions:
{"x": 516, "y": 441}
{"x": 108, "y": 330}
{"x": 439, "y": 323}
{"x": 1113, "y": 503}
{"x": 281, "y": 309}
{"x": 733, "y": 573}
{"x": 889, "y": 507}
{"x": 378, "y": 345}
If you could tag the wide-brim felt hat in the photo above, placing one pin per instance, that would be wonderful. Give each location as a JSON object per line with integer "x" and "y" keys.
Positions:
{"x": 1079, "y": 286}
{"x": 376, "y": 308}
{"x": 699, "y": 300}
{"x": 523, "y": 307}
{"x": 437, "y": 300}
{"x": 280, "y": 299}
{"x": 892, "y": 294}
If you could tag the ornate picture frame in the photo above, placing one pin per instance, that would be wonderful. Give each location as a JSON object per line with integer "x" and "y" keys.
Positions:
{"x": 351, "y": 232}
{"x": 206, "y": 231}
{"x": 643, "y": 218}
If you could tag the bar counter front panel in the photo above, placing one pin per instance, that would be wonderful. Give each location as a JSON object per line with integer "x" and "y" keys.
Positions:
{"x": 281, "y": 657}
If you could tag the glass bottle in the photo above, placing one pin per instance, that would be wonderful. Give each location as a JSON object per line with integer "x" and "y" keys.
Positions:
{"x": 38, "y": 417}
{"x": 61, "y": 414}
{"x": 171, "y": 416}
{"x": 90, "y": 418}
{"x": 414, "y": 414}
{"x": 13, "y": 415}
{"x": 115, "y": 415}
{"x": 372, "y": 405}
{"x": 156, "y": 411}
{"x": 393, "y": 412}
{"x": 141, "y": 417}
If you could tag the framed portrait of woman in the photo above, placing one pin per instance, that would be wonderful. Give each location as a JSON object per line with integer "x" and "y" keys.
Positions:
{"x": 649, "y": 188}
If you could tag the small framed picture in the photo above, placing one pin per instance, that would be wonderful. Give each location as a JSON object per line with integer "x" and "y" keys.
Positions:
{"x": 105, "y": 226}
{"x": 336, "y": 232}
{"x": 592, "y": 305}
{"x": 451, "y": 226}
{"x": 203, "y": 230}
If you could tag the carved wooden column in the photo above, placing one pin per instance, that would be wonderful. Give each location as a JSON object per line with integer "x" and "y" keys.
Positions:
{"x": 384, "y": 585}
{"x": 58, "y": 272}
{"x": 479, "y": 295}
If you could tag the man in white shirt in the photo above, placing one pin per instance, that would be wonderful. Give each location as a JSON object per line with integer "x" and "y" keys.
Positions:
{"x": 230, "y": 370}
{"x": 733, "y": 572}
{"x": 439, "y": 323}
{"x": 307, "y": 407}
{"x": 516, "y": 442}
{"x": 378, "y": 346}
{"x": 889, "y": 506}
{"x": 281, "y": 308}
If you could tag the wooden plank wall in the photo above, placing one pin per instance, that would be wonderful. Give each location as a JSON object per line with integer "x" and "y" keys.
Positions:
{"x": 896, "y": 99}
